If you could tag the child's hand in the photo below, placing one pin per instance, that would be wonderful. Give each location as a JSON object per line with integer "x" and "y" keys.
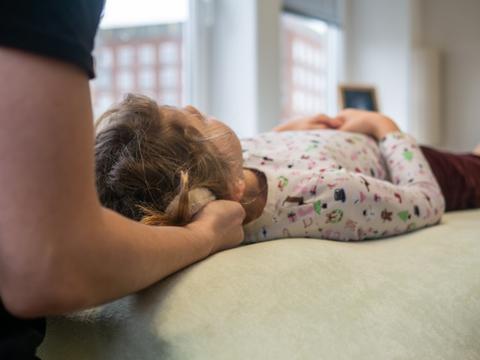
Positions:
{"x": 366, "y": 122}
{"x": 316, "y": 122}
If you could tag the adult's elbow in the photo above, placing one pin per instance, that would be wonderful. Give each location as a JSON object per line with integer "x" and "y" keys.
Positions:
{"x": 29, "y": 296}
{"x": 20, "y": 306}
{"x": 32, "y": 289}
{"x": 40, "y": 297}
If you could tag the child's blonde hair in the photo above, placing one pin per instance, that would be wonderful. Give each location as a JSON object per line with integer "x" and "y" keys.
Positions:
{"x": 146, "y": 156}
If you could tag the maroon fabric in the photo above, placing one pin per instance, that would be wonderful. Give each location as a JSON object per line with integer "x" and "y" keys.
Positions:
{"x": 458, "y": 176}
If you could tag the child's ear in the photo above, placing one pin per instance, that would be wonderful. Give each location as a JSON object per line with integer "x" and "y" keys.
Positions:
{"x": 238, "y": 190}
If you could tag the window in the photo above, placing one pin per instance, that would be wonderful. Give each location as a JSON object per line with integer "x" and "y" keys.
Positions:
{"x": 308, "y": 64}
{"x": 104, "y": 80}
{"x": 234, "y": 60}
{"x": 146, "y": 79}
{"x": 105, "y": 59}
{"x": 169, "y": 97}
{"x": 146, "y": 54}
{"x": 125, "y": 54}
{"x": 104, "y": 100}
{"x": 139, "y": 49}
{"x": 168, "y": 77}
{"x": 125, "y": 81}
{"x": 168, "y": 53}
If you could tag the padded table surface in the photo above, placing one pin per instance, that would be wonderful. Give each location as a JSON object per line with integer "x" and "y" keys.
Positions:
{"x": 415, "y": 296}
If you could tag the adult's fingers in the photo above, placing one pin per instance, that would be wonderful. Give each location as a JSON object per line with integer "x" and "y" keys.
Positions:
{"x": 221, "y": 221}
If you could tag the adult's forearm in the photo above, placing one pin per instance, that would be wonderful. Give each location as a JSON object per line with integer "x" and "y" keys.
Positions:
{"x": 59, "y": 250}
{"x": 110, "y": 258}
{"x": 144, "y": 254}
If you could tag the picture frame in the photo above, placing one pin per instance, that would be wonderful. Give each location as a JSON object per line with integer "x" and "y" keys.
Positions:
{"x": 357, "y": 97}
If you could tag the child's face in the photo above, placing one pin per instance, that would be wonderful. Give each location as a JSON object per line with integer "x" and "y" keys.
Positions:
{"x": 224, "y": 139}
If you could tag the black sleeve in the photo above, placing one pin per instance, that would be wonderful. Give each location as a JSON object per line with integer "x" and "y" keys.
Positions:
{"x": 19, "y": 338}
{"x": 62, "y": 29}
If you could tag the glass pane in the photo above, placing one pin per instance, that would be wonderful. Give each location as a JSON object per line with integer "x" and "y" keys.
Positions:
{"x": 139, "y": 49}
{"x": 305, "y": 66}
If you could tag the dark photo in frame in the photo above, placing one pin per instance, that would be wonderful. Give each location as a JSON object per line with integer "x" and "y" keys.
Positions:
{"x": 358, "y": 97}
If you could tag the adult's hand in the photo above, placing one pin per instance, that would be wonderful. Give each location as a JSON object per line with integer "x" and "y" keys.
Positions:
{"x": 316, "y": 122}
{"x": 366, "y": 122}
{"x": 220, "y": 223}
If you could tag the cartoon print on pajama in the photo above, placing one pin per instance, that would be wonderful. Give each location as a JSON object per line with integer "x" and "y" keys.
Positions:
{"x": 332, "y": 185}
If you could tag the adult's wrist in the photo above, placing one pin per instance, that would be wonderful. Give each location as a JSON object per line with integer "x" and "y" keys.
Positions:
{"x": 202, "y": 239}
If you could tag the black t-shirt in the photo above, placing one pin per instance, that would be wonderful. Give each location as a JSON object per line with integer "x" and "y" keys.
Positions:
{"x": 64, "y": 30}
{"x": 19, "y": 339}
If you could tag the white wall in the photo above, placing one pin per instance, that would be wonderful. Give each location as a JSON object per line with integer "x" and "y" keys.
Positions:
{"x": 377, "y": 52}
{"x": 381, "y": 36}
{"x": 453, "y": 27}
{"x": 244, "y": 88}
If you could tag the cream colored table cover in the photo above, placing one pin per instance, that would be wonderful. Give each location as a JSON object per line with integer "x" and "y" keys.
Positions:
{"x": 416, "y": 296}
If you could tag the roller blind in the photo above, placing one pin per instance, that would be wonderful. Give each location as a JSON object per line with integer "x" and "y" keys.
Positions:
{"x": 326, "y": 10}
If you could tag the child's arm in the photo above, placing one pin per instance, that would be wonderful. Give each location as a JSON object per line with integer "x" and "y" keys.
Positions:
{"x": 314, "y": 122}
{"x": 370, "y": 207}
{"x": 353, "y": 120}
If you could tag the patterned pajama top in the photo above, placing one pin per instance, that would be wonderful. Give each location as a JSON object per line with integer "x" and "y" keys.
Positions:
{"x": 341, "y": 186}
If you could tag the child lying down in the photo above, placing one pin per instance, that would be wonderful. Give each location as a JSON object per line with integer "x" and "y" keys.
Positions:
{"x": 159, "y": 165}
